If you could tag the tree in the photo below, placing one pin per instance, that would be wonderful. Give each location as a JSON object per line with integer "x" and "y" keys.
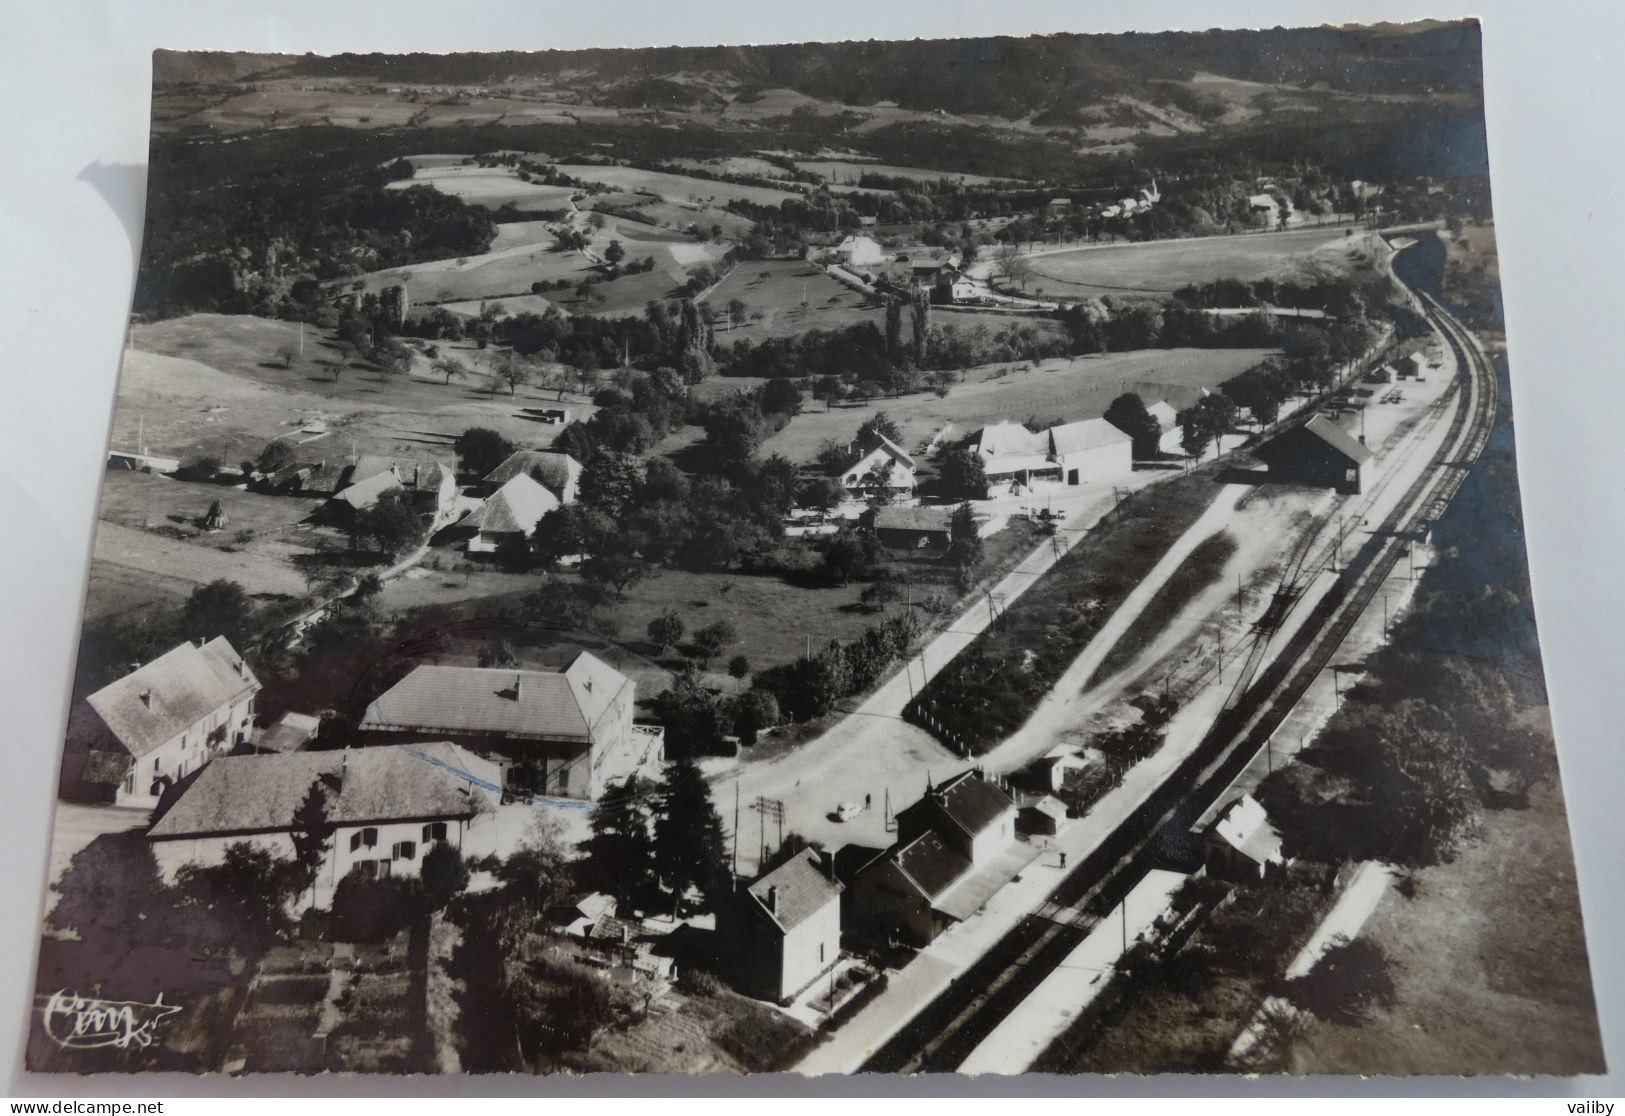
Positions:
{"x": 617, "y": 568}
{"x": 879, "y": 425}
{"x": 394, "y": 358}
{"x": 451, "y": 368}
{"x": 220, "y": 608}
{"x": 963, "y": 474}
{"x": 619, "y": 855}
{"x": 894, "y": 330}
{"x": 690, "y": 849}
{"x": 1204, "y": 422}
{"x": 276, "y": 455}
{"x": 310, "y": 835}
{"x": 609, "y": 481}
{"x": 738, "y": 667}
{"x": 498, "y": 653}
{"x": 480, "y": 450}
{"x": 238, "y": 904}
{"x": 711, "y": 639}
{"x": 920, "y": 319}
{"x": 666, "y": 630}
{"x": 882, "y": 591}
{"x": 781, "y": 397}
{"x": 849, "y": 556}
{"x": 443, "y": 873}
{"x": 1349, "y": 981}
{"x": 964, "y": 541}
{"x": 287, "y": 353}
{"x": 537, "y": 873}
{"x": 614, "y": 253}
{"x": 754, "y": 710}
{"x": 390, "y": 524}
{"x": 1128, "y": 413}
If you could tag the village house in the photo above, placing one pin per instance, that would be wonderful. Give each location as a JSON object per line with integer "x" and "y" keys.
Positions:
{"x": 291, "y": 733}
{"x": 565, "y": 733}
{"x": 1090, "y": 451}
{"x": 559, "y": 473}
{"x": 134, "y": 738}
{"x": 1240, "y": 844}
{"x": 883, "y": 469}
{"x": 860, "y": 251}
{"x": 430, "y": 488}
{"x": 388, "y": 807}
{"x": 783, "y": 931}
{"x": 956, "y": 847}
{"x": 912, "y": 528}
{"x": 1318, "y": 453}
{"x": 509, "y": 514}
{"x": 1263, "y": 205}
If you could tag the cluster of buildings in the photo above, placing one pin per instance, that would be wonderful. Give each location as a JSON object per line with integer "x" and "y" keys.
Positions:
{"x": 429, "y": 761}
{"x": 1090, "y": 451}
{"x": 506, "y": 504}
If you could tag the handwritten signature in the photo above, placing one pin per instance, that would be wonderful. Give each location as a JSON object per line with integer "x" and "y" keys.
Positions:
{"x": 81, "y": 1023}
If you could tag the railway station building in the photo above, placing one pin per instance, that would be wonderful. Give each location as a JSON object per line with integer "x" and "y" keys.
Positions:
{"x": 1318, "y": 453}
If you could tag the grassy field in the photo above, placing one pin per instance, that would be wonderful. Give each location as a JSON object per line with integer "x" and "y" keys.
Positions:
{"x": 1158, "y": 268}
{"x": 1064, "y": 389}
{"x": 213, "y": 383}
{"x": 492, "y": 187}
{"x": 675, "y": 187}
{"x": 1488, "y": 960}
{"x": 1194, "y": 574}
{"x": 776, "y": 289}
{"x": 838, "y": 170}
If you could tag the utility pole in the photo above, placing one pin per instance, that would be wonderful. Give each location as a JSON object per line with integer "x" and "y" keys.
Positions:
{"x": 736, "y": 829}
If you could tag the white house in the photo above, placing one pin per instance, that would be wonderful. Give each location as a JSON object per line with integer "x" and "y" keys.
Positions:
{"x": 508, "y": 514}
{"x": 1075, "y": 453}
{"x": 1242, "y": 843}
{"x": 1091, "y": 451}
{"x": 784, "y": 930}
{"x": 963, "y": 288}
{"x": 1265, "y": 204}
{"x": 883, "y": 468}
{"x": 1167, "y": 418}
{"x": 860, "y": 251}
{"x": 388, "y": 806}
{"x": 134, "y": 738}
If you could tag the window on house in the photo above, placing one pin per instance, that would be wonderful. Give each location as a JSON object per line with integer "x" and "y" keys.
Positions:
{"x": 156, "y": 761}
{"x": 820, "y": 953}
{"x": 434, "y": 831}
{"x": 404, "y": 850}
{"x": 355, "y": 841}
{"x": 369, "y": 837}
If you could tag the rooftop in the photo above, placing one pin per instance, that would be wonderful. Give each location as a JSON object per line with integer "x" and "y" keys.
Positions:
{"x": 155, "y": 703}
{"x": 800, "y": 890}
{"x": 262, "y": 793}
{"x": 1075, "y": 437}
{"x": 970, "y": 801}
{"x": 1245, "y": 827}
{"x": 553, "y": 470}
{"x": 913, "y": 519}
{"x": 515, "y": 507}
{"x": 1338, "y": 438}
{"x": 493, "y": 701}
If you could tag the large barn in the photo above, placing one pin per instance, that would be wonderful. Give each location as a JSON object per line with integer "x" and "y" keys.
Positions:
{"x": 1319, "y": 453}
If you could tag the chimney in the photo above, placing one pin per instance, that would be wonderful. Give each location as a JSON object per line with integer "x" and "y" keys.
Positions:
{"x": 146, "y": 698}
{"x": 772, "y": 899}
{"x": 826, "y": 861}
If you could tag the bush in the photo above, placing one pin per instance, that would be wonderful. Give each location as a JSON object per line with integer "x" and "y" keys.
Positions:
{"x": 374, "y": 910}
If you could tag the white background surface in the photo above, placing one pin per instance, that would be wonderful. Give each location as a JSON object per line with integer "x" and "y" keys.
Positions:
{"x": 74, "y": 84}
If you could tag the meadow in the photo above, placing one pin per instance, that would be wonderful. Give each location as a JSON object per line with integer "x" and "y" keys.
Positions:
{"x": 1158, "y": 268}
{"x": 1064, "y": 389}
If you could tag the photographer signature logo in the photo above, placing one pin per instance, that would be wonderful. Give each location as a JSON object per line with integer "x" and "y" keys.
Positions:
{"x": 77, "y": 1022}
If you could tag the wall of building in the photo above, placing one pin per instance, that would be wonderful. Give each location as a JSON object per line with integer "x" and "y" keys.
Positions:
{"x": 994, "y": 839}
{"x": 474, "y": 837}
{"x": 185, "y": 752}
{"x": 1103, "y": 464}
{"x": 886, "y": 904}
{"x": 811, "y": 949}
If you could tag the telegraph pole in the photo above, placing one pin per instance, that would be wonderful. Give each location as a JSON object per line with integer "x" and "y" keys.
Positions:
{"x": 736, "y": 829}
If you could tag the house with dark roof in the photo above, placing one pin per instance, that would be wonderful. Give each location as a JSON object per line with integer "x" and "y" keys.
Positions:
{"x": 559, "y": 473}
{"x": 563, "y": 733}
{"x": 1319, "y": 453}
{"x": 430, "y": 487}
{"x": 783, "y": 930}
{"x": 388, "y": 806}
{"x": 913, "y": 528}
{"x": 134, "y": 738}
{"x": 956, "y": 847}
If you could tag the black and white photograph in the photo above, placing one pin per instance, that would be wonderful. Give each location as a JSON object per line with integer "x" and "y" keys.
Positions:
{"x": 946, "y": 556}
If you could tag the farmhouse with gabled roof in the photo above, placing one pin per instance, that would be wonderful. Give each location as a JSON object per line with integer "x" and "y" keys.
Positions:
{"x": 566, "y": 730}
{"x": 134, "y": 738}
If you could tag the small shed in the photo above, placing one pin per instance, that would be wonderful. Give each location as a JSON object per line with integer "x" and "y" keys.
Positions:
{"x": 913, "y": 528}
{"x": 1041, "y": 817}
{"x": 1241, "y": 843}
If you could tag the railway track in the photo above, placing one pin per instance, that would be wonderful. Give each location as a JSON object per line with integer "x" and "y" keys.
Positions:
{"x": 945, "y": 1032}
